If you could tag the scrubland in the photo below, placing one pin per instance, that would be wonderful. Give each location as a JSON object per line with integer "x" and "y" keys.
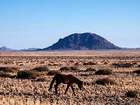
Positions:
{"x": 110, "y": 77}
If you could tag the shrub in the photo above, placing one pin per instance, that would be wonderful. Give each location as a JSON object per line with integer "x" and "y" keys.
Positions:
{"x": 76, "y": 64}
{"x": 123, "y": 65}
{"x": 64, "y": 68}
{"x": 52, "y": 72}
{"x": 90, "y": 70}
{"x": 26, "y": 74}
{"x": 138, "y": 66}
{"x": 74, "y": 68}
{"x": 69, "y": 69}
{"x": 8, "y": 69}
{"x": 89, "y": 63}
{"x": 84, "y": 74}
{"x": 103, "y": 72}
{"x": 105, "y": 81}
{"x": 41, "y": 69}
{"x": 137, "y": 72}
{"x": 131, "y": 94}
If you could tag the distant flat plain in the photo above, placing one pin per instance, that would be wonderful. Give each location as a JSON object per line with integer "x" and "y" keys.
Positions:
{"x": 73, "y": 53}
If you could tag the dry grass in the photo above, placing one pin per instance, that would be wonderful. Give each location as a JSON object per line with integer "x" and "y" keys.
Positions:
{"x": 5, "y": 75}
{"x": 119, "y": 88}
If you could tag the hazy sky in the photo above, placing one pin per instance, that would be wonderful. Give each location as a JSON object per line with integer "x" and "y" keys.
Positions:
{"x": 40, "y": 23}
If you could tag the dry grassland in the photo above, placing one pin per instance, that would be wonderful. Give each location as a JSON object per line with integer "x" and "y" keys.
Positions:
{"x": 119, "y": 87}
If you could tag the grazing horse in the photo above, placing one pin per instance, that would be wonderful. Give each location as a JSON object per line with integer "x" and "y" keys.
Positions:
{"x": 66, "y": 79}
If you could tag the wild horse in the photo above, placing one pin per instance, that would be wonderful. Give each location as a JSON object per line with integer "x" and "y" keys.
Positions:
{"x": 66, "y": 79}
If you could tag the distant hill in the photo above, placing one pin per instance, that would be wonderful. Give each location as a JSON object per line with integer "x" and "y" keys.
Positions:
{"x": 30, "y": 49}
{"x": 5, "y": 49}
{"x": 82, "y": 41}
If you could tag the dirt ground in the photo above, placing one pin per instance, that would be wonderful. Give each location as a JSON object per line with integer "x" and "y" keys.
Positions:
{"x": 14, "y": 91}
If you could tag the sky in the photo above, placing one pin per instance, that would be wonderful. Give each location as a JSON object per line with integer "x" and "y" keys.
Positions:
{"x": 40, "y": 23}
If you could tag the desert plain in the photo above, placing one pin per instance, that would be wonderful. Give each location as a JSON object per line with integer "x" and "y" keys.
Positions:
{"x": 110, "y": 77}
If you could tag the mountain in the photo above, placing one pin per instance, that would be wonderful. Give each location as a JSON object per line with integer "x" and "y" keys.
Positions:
{"x": 5, "y": 49}
{"x": 82, "y": 41}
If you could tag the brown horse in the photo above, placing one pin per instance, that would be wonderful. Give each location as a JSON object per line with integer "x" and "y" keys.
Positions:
{"x": 66, "y": 79}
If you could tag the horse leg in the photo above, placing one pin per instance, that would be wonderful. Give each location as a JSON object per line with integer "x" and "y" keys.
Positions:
{"x": 73, "y": 90}
{"x": 56, "y": 86}
{"x": 51, "y": 85}
{"x": 67, "y": 88}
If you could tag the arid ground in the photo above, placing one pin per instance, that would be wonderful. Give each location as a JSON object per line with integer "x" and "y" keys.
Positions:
{"x": 110, "y": 77}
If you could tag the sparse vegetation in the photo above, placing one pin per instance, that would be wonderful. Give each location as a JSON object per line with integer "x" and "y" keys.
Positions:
{"x": 122, "y": 65}
{"x": 132, "y": 94}
{"x": 73, "y": 68}
{"x": 5, "y": 74}
{"x": 138, "y": 65}
{"x": 89, "y": 63}
{"x": 9, "y": 69}
{"x": 105, "y": 81}
{"x": 64, "y": 68}
{"x": 52, "y": 72}
{"x": 103, "y": 72}
{"x": 26, "y": 74}
{"x": 90, "y": 70}
{"x": 137, "y": 72}
{"x": 41, "y": 69}
{"x": 31, "y": 86}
